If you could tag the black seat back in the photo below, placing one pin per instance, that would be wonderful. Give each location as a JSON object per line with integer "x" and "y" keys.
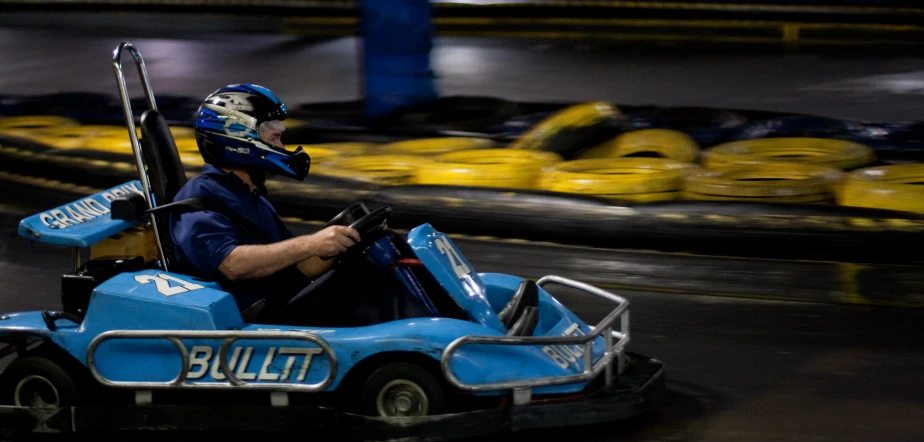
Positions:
{"x": 164, "y": 169}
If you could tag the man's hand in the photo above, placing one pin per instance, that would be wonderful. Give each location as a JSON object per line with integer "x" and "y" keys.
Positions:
{"x": 329, "y": 242}
{"x": 333, "y": 241}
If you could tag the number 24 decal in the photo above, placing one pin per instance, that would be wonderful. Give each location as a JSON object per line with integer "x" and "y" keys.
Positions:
{"x": 458, "y": 265}
{"x": 162, "y": 283}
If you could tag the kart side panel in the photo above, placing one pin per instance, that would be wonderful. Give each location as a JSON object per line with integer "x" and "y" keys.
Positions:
{"x": 454, "y": 273}
{"x": 207, "y": 308}
{"x": 148, "y": 300}
{"x": 260, "y": 361}
{"x": 80, "y": 223}
{"x": 427, "y": 336}
{"x": 156, "y": 300}
{"x": 29, "y": 325}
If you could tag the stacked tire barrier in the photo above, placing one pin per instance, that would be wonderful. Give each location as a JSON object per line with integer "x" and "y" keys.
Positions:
{"x": 896, "y": 187}
{"x": 639, "y": 180}
{"x": 589, "y": 173}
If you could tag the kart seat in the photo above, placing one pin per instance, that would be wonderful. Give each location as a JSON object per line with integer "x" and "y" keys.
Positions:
{"x": 165, "y": 171}
{"x": 527, "y": 295}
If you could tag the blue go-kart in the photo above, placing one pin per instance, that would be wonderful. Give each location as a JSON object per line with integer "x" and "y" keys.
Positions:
{"x": 454, "y": 353}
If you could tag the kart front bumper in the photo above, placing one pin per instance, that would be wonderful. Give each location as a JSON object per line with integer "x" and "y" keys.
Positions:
{"x": 637, "y": 390}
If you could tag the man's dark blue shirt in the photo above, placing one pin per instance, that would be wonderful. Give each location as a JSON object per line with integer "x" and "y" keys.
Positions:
{"x": 204, "y": 239}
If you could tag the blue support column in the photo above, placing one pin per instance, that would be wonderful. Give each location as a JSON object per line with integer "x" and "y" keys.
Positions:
{"x": 397, "y": 39}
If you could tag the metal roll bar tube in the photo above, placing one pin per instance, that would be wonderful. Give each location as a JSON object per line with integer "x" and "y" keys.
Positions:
{"x": 130, "y": 122}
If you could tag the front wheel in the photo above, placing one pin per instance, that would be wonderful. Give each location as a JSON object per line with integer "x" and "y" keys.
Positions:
{"x": 403, "y": 390}
{"x": 37, "y": 382}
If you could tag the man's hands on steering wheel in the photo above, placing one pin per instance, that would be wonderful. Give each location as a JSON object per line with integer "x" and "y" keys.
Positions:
{"x": 369, "y": 225}
{"x": 334, "y": 240}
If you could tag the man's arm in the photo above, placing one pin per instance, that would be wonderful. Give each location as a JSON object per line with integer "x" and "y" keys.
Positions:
{"x": 257, "y": 261}
{"x": 315, "y": 266}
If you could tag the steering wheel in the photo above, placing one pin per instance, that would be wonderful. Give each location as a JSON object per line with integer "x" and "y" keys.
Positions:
{"x": 369, "y": 226}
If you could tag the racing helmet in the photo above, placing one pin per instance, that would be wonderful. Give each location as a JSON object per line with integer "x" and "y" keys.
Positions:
{"x": 228, "y": 133}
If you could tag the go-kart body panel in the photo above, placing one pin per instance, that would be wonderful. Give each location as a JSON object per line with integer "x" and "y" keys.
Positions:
{"x": 158, "y": 300}
{"x": 441, "y": 257}
{"x": 80, "y": 223}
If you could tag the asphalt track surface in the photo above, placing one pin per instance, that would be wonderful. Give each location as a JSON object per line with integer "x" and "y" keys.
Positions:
{"x": 743, "y": 370}
{"x": 842, "y": 83}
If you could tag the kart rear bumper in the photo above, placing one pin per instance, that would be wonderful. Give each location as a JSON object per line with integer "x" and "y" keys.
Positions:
{"x": 637, "y": 390}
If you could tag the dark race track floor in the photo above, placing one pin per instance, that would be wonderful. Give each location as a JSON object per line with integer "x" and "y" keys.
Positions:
{"x": 843, "y": 83}
{"x": 737, "y": 370}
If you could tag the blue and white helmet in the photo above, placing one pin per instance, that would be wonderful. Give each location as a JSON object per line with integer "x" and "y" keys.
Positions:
{"x": 228, "y": 132}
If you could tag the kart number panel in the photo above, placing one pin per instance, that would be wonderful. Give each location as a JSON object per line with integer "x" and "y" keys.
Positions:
{"x": 454, "y": 273}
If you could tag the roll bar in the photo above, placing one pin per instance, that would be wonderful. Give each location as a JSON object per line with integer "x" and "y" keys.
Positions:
{"x": 132, "y": 134}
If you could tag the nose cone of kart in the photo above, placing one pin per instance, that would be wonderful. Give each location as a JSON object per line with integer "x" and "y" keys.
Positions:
{"x": 454, "y": 273}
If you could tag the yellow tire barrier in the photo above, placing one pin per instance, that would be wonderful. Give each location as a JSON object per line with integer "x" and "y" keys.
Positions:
{"x": 319, "y": 154}
{"x": 65, "y": 133}
{"x": 820, "y": 151}
{"x": 33, "y": 122}
{"x": 379, "y": 169}
{"x": 899, "y": 187}
{"x": 112, "y": 144}
{"x": 436, "y": 146}
{"x": 75, "y": 137}
{"x": 290, "y": 123}
{"x": 192, "y": 159}
{"x": 178, "y": 132}
{"x": 122, "y": 144}
{"x": 665, "y": 143}
{"x": 185, "y": 145}
{"x": 501, "y": 168}
{"x": 764, "y": 182}
{"x": 578, "y": 116}
{"x": 631, "y": 179}
{"x": 501, "y": 155}
{"x": 350, "y": 149}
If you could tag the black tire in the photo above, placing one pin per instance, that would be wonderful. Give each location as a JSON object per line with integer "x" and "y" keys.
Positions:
{"x": 51, "y": 384}
{"x": 406, "y": 380}
{"x": 459, "y": 113}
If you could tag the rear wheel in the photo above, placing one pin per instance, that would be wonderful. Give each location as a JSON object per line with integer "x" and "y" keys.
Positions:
{"x": 403, "y": 390}
{"x": 35, "y": 381}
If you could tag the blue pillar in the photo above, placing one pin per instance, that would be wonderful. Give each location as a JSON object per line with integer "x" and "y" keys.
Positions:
{"x": 397, "y": 39}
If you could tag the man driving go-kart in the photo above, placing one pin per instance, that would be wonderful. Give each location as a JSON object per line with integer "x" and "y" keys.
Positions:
{"x": 232, "y": 314}
{"x": 247, "y": 249}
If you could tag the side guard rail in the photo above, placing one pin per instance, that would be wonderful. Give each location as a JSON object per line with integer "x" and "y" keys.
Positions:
{"x": 229, "y": 337}
{"x": 605, "y": 327}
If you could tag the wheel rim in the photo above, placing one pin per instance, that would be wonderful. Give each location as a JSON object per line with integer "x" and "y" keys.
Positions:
{"x": 36, "y": 392}
{"x": 402, "y": 398}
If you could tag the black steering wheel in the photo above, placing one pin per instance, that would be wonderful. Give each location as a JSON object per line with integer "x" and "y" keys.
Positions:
{"x": 370, "y": 225}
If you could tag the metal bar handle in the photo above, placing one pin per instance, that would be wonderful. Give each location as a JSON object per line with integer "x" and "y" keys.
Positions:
{"x": 228, "y": 337}
{"x": 132, "y": 134}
